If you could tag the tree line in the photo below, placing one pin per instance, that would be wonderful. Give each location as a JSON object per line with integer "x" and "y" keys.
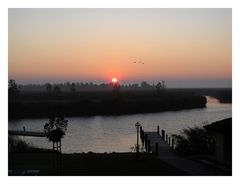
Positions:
{"x": 83, "y": 86}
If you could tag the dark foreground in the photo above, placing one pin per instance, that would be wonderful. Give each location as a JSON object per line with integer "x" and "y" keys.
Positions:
{"x": 114, "y": 164}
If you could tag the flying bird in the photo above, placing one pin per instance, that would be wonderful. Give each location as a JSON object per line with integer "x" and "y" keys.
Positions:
{"x": 140, "y": 62}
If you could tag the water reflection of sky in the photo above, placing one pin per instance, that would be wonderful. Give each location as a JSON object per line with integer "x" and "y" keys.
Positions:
{"x": 118, "y": 133}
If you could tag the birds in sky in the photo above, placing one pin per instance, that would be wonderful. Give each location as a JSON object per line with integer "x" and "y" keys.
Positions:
{"x": 139, "y": 62}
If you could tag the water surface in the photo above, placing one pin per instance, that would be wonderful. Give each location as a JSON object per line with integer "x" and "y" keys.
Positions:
{"x": 118, "y": 133}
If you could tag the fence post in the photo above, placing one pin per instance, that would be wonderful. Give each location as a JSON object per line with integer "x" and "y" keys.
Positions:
{"x": 145, "y": 142}
{"x": 156, "y": 148}
{"x": 172, "y": 143}
{"x": 143, "y": 138}
{"x": 141, "y": 132}
{"x": 163, "y": 134}
{"x": 148, "y": 142}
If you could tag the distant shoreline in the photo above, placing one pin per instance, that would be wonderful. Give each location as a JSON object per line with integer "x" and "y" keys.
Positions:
{"x": 38, "y": 105}
{"x": 111, "y": 103}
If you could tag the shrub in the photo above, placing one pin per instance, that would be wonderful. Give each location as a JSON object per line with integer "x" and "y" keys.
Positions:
{"x": 193, "y": 141}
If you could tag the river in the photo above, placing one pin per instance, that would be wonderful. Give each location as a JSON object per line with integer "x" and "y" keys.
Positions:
{"x": 118, "y": 133}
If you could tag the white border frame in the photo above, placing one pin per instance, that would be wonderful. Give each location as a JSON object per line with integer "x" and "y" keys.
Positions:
{"x": 4, "y": 5}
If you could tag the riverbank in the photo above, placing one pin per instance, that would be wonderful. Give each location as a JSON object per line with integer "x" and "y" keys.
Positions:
{"x": 23, "y": 157}
{"x": 37, "y": 105}
{"x": 91, "y": 164}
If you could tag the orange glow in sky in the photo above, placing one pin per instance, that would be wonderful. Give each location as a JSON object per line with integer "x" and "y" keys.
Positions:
{"x": 129, "y": 44}
{"x": 114, "y": 80}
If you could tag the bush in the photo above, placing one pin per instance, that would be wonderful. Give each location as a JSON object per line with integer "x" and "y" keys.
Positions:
{"x": 16, "y": 145}
{"x": 194, "y": 141}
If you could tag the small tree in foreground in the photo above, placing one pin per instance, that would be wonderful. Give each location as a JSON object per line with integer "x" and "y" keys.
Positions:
{"x": 55, "y": 130}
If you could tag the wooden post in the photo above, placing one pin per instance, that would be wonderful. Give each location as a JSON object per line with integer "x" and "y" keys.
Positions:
{"x": 163, "y": 134}
{"x": 172, "y": 143}
{"x": 158, "y": 130}
{"x": 156, "y": 148}
{"x": 60, "y": 146}
{"x": 148, "y": 142}
{"x": 145, "y": 139}
{"x": 141, "y": 132}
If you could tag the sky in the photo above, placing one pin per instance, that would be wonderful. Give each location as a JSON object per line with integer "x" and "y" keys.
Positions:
{"x": 184, "y": 47}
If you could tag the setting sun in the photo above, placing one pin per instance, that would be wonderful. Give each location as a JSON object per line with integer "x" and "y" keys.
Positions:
{"x": 114, "y": 80}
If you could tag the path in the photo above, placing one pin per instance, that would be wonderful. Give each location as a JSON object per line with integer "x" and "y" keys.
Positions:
{"x": 165, "y": 153}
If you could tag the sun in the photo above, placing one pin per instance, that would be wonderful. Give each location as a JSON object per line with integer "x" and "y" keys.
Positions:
{"x": 114, "y": 80}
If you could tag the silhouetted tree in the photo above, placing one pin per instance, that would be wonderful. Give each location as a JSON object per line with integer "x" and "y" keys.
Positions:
{"x": 57, "y": 90}
{"x": 55, "y": 130}
{"x": 73, "y": 87}
{"x": 159, "y": 86}
{"x": 67, "y": 84}
{"x": 163, "y": 84}
{"x": 115, "y": 86}
{"x": 145, "y": 85}
{"x": 13, "y": 89}
{"x": 49, "y": 87}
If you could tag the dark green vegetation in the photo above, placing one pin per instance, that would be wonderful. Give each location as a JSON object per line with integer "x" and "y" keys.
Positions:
{"x": 194, "y": 141}
{"x": 30, "y": 105}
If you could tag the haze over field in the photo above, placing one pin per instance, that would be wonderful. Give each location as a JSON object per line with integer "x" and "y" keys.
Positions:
{"x": 185, "y": 47}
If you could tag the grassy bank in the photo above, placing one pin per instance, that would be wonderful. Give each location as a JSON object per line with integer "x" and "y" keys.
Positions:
{"x": 16, "y": 145}
{"x": 30, "y": 105}
{"x": 26, "y": 157}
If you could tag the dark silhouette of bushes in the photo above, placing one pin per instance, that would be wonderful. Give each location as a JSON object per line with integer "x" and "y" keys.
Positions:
{"x": 194, "y": 141}
{"x": 16, "y": 145}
